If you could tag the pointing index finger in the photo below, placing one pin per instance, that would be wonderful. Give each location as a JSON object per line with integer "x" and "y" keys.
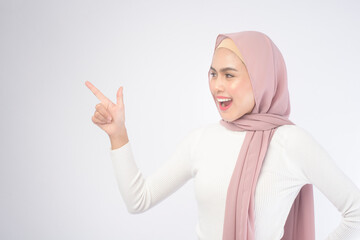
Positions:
{"x": 97, "y": 92}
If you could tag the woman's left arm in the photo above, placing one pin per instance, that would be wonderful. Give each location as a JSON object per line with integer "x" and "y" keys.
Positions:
{"x": 318, "y": 168}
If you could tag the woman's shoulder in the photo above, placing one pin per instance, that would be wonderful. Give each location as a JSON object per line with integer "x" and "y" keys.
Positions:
{"x": 299, "y": 141}
{"x": 293, "y": 132}
{"x": 196, "y": 132}
{"x": 296, "y": 139}
{"x": 204, "y": 130}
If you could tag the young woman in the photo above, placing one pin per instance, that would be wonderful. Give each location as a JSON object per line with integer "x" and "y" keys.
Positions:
{"x": 254, "y": 170}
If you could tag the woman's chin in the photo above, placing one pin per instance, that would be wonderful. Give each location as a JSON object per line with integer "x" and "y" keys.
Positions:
{"x": 231, "y": 119}
{"x": 228, "y": 119}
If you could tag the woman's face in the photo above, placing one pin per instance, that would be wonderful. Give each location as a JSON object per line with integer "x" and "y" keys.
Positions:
{"x": 229, "y": 79}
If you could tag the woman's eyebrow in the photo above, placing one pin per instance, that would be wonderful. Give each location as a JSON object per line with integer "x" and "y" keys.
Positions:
{"x": 224, "y": 69}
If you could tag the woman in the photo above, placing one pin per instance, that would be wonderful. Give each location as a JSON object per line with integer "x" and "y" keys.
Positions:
{"x": 255, "y": 181}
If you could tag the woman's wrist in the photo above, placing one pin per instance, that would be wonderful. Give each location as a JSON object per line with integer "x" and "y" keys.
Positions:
{"x": 119, "y": 140}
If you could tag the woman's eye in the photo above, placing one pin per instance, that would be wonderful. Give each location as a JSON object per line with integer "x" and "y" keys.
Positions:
{"x": 229, "y": 75}
{"x": 212, "y": 74}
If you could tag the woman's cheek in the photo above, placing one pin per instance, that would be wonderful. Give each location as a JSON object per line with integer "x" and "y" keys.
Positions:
{"x": 235, "y": 88}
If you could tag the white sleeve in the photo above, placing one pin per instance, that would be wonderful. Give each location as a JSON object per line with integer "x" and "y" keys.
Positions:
{"x": 140, "y": 193}
{"x": 318, "y": 168}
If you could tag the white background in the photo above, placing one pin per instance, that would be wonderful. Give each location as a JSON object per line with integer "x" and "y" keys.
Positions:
{"x": 56, "y": 177}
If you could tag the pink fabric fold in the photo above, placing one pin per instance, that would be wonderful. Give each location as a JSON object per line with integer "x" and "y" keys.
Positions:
{"x": 268, "y": 76}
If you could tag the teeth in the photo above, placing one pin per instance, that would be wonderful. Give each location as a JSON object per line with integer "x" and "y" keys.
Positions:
{"x": 224, "y": 100}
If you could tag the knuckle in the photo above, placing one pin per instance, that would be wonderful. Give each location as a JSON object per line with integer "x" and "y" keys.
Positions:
{"x": 98, "y": 117}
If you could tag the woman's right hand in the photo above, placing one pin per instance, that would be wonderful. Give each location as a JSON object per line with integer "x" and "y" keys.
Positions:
{"x": 106, "y": 109}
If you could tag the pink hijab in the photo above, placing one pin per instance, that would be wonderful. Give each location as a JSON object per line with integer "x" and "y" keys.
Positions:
{"x": 267, "y": 71}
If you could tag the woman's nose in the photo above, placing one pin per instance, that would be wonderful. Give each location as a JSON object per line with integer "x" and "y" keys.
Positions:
{"x": 219, "y": 85}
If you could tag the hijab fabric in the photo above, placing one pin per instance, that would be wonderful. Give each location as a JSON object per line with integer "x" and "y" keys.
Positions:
{"x": 268, "y": 76}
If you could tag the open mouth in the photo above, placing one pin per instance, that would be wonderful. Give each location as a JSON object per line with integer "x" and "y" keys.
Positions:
{"x": 224, "y": 105}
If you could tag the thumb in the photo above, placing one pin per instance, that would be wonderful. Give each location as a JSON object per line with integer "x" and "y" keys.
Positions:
{"x": 119, "y": 96}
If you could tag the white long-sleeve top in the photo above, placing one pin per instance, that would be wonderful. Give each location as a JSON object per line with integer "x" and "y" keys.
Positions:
{"x": 208, "y": 156}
